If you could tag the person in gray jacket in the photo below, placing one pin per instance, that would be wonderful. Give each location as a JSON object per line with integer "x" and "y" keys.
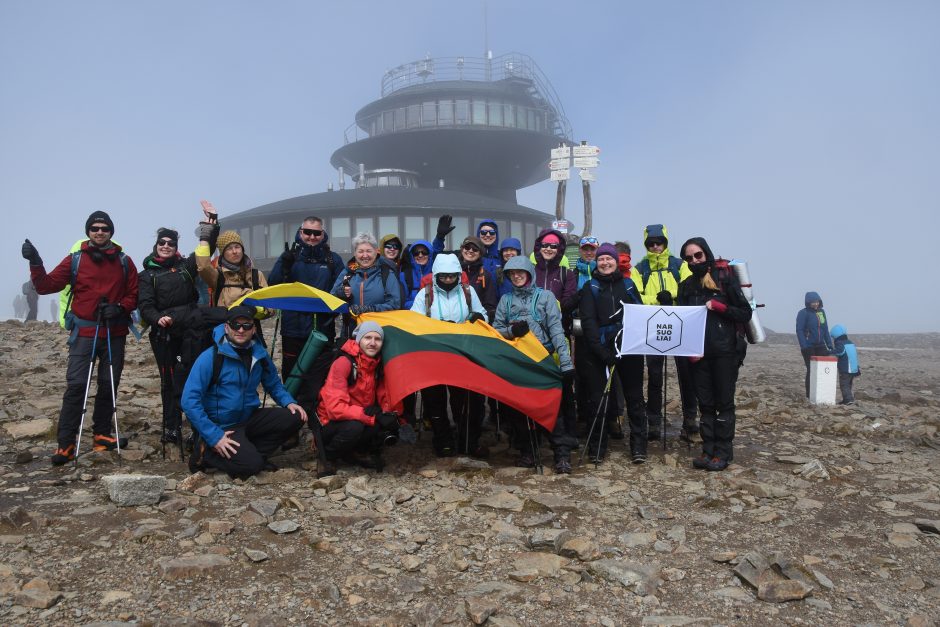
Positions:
{"x": 531, "y": 309}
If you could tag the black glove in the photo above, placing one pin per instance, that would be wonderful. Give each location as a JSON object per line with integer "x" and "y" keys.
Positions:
{"x": 360, "y": 309}
{"x": 110, "y": 311}
{"x": 444, "y": 226}
{"x": 372, "y": 410}
{"x": 519, "y": 328}
{"x": 30, "y": 253}
{"x": 567, "y": 377}
{"x": 207, "y": 232}
{"x": 664, "y": 298}
{"x": 474, "y": 316}
{"x": 288, "y": 257}
{"x": 387, "y": 421}
{"x": 610, "y": 358}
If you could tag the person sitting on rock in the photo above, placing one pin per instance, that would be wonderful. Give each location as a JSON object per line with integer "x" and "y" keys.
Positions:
{"x": 356, "y": 414}
{"x": 235, "y": 434}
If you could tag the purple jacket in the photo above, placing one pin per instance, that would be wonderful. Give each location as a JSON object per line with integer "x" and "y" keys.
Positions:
{"x": 551, "y": 276}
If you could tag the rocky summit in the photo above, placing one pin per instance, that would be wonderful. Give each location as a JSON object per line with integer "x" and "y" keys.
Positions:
{"x": 828, "y": 515}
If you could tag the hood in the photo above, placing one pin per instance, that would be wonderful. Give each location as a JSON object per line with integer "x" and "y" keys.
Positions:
{"x": 810, "y": 297}
{"x": 388, "y": 238}
{"x": 658, "y": 261}
{"x": 420, "y": 242}
{"x": 493, "y": 249}
{"x": 701, "y": 243}
{"x": 655, "y": 230}
{"x": 446, "y": 264}
{"x": 520, "y": 262}
{"x": 538, "y": 244}
{"x": 511, "y": 242}
{"x": 837, "y": 331}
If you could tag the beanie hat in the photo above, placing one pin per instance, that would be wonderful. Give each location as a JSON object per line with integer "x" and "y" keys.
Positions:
{"x": 551, "y": 238}
{"x": 476, "y": 241}
{"x": 226, "y": 239}
{"x": 607, "y": 249}
{"x": 367, "y": 327}
{"x": 99, "y": 216}
{"x": 163, "y": 232}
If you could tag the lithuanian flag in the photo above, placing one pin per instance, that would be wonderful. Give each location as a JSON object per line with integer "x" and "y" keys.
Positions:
{"x": 419, "y": 352}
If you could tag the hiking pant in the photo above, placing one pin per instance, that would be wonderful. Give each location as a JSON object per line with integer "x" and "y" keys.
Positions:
{"x": 715, "y": 379}
{"x": 168, "y": 351}
{"x": 342, "y": 437}
{"x": 467, "y": 408}
{"x": 845, "y": 385}
{"x": 629, "y": 372}
{"x": 527, "y": 434}
{"x": 76, "y": 375}
{"x": 655, "y": 364}
{"x": 258, "y": 437}
{"x": 819, "y": 350}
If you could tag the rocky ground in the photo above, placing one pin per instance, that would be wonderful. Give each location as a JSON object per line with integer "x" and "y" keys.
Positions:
{"x": 828, "y": 516}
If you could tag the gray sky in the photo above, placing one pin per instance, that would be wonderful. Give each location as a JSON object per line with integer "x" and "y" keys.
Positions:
{"x": 798, "y": 135}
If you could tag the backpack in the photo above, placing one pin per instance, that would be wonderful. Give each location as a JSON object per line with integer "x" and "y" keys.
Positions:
{"x": 308, "y": 395}
{"x": 75, "y": 261}
{"x": 535, "y": 301}
{"x": 628, "y": 284}
{"x": 725, "y": 276}
{"x": 218, "y": 359}
{"x": 673, "y": 267}
{"x": 429, "y": 298}
{"x": 197, "y": 335}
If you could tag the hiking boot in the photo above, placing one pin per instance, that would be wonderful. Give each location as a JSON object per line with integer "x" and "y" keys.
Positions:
{"x": 107, "y": 443}
{"x": 525, "y": 461}
{"x": 701, "y": 462}
{"x": 596, "y": 457}
{"x": 63, "y": 455}
{"x": 716, "y": 464}
{"x": 639, "y": 458}
{"x": 325, "y": 468}
{"x": 170, "y": 436}
{"x": 563, "y": 466}
{"x": 480, "y": 452}
{"x": 615, "y": 430}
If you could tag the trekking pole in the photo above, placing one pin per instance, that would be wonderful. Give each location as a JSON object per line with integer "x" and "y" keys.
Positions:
{"x": 534, "y": 444}
{"x": 601, "y": 409}
{"x": 91, "y": 369}
{"x": 665, "y": 411}
{"x": 163, "y": 342}
{"x": 117, "y": 433}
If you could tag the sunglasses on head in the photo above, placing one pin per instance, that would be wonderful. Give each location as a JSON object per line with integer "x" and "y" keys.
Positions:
{"x": 589, "y": 241}
{"x": 470, "y": 248}
{"x": 241, "y": 326}
{"x": 485, "y": 232}
{"x": 315, "y": 232}
{"x": 420, "y": 252}
{"x": 167, "y": 242}
{"x": 99, "y": 229}
{"x": 393, "y": 246}
{"x": 552, "y": 246}
{"x": 699, "y": 256}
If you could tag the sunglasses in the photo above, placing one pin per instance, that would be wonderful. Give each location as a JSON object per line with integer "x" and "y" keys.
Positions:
{"x": 99, "y": 229}
{"x": 470, "y": 248}
{"x": 419, "y": 253}
{"x": 314, "y": 232}
{"x": 485, "y": 232}
{"x": 552, "y": 246}
{"x": 393, "y": 246}
{"x": 166, "y": 242}
{"x": 655, "y": 243}
{"x": 699, "y": 256}
{"x": 241, "y": 326}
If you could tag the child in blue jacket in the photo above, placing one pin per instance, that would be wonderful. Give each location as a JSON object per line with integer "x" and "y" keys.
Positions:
{"x": 848, "y": 362}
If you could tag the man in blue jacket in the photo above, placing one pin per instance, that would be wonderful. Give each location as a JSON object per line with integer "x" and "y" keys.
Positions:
{"x": 311, "y": 262}
{"x": 220, "y": 398}
{"x": 812, "y": 331}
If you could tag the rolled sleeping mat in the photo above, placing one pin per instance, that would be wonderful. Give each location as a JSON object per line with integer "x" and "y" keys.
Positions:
{"x": 311, "y": 350}
{"x": 755, "y": 331}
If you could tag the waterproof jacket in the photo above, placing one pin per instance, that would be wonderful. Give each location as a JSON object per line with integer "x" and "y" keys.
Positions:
{"x": 168, "y": 288}
{"x": 812, "y": 329}
{"x": 235, "y": 284}
{"x": 503, "y": 284}
{"x": 660, "y": 271}
{"x": 555, "y": 276}
{"x": 601, "y": 312}
{"x": 449, "y": 306}
{"x": 95, "y": 280}
{"x": 484, "y": 283}
{"x": 412, "y": 272}
{"x": 233, "y": 398}
{"x": 845, "y": 350}
{"x": 368, "y": 290}
{"x": 584, "y": 269}
{"x": 536, "y": 306}
{"x": 316, "y": 266}
{"x": 341, "y": 401}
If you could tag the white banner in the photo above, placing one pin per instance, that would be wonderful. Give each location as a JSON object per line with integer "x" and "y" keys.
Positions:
{"x": 657, "y": 330}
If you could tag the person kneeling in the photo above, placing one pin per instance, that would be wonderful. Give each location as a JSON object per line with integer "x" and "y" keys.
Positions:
{"x": 356, "y": 414}
{"x": 220, "y": 398}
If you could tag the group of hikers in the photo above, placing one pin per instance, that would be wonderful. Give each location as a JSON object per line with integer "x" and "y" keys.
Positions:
{"x": 212, "y": 357}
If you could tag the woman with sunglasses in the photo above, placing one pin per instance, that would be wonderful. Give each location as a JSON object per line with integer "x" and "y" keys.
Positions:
{"x": 714, "y": 285}
{"x": 391, "y": 247}
{"x": 168, "y": 295}
{"x": 553, "y": 275}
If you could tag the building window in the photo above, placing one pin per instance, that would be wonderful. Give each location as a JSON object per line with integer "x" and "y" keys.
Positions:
{"x": 258, "y": 250}
{"x": 365, "y": 225}
{"x": 462, "y": 111}
{"x": 276, "y": 238}
{"x": 339, "y": 235}
{"x": 461, "y": 230}
{"x": 479, "y": 112}
{"x": 414, "y": 228}
{"x": 445, "y": 113}
{"x": 245, "y": 234}
{"x": 413, "y": 115}
{"x": 529, "y": 240}
{"x": 399, "y": 119}
{"x": 429, "y": 114}
{"x": 388, "y": 121}
{"x": 509, "y": 115}
{"x": 388, "y": 225}
{"x": 515, "y": 228}
{"x": 496, "y": 113}
{"x": 520, "y": 117}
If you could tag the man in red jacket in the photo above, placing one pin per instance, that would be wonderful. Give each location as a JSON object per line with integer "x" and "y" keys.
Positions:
{"x": 104, "y": 290}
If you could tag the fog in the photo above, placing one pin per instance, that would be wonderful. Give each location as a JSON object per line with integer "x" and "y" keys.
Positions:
{"x": 800, "y": 136}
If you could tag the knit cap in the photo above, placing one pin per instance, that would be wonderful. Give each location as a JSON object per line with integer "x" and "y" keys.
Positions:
{"x": 99, "y": 216}
{"x": 226, "y": 239}
{"x": 607, "y": 249}
{"x": 367, "y": 327}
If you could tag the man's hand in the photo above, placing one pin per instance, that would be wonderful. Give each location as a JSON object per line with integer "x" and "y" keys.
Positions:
{"x": 288, "y": 257}
{"x": 30, "y": 253}
{"x": 165, "y": 321}
{"x": 297, "y": 409}
{"x": 474, "y": 316}
{"x": 444, "y": 226}
{"x": 664, "y": 298}
{"x": 226, "y": 446}
{"x": 110, "y": 311}
{"x": 519, "y": 328}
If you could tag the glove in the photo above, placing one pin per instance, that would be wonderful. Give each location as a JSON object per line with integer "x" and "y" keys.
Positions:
{"x": 372, "y": 410}
{"x": 360, "y": 309}
{"x": 387, "y": 421}
{"x": 664, "y": 298}
{"x": 474, "y": 316}
{"x": 567, "y": 377}
{"x": 610, "y": 358}
{"x": 444, "y": 226}
{"x": 207, "y": 231}
{"x": 110, "y": 311}
{"x": 519, "y": 328}
{"x": 287, "y": 261}
{"x": 30, "y": 253}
